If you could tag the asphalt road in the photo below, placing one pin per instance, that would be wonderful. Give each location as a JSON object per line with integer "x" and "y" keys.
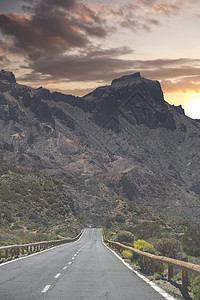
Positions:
{"x": 84, "y": 269}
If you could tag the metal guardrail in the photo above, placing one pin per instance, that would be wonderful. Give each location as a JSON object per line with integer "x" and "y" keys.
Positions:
{"x": 12, "y": 251}
{"x": 148, "y": 260}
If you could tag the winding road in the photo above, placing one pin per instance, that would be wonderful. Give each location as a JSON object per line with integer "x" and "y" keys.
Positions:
{"x": 85, "y": 269}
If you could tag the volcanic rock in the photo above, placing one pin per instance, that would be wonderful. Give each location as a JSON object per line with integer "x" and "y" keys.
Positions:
{"x": 121, "y": 139}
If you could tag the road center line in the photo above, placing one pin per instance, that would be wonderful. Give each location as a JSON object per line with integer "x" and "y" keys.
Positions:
{"x": 57, "y": 275}
{"x": 69, "y": 263}
{"x": 65, "y": 268}
{"x": 45, "y": 289}
{"x": 73, "y": 257}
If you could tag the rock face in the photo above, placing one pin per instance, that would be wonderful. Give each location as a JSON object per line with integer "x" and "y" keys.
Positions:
{"x": 134, "y": 98}
{"x": 7, "y": 76}
{"x": 122, "y": 139}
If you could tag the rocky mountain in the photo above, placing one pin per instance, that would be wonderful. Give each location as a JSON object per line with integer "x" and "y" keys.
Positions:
{"x": 123, "y": 139}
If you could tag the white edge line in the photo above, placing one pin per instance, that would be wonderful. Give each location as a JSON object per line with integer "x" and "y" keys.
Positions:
{"x": 57, "y": 275}
{"x": 152, "y": 284}
{"x": 23, "y": 257}
{"x": 45, "y": 289}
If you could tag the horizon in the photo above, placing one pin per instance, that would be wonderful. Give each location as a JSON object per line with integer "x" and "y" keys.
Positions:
{"x": 74, "y": 46}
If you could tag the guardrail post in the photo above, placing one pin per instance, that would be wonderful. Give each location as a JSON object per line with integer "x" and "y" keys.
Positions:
{"x": 0, "y": 254}
{"x": 12, "y": 252}
{"x": 6, "y": 253}
{"x": 146, "y": 264}
{"x": 160, "y": 267}
{"x": 170, "y": 272}
{"x": 185, "y": 281}
{"x": 22, "y": 250}
{"x": 18, "y": 252}
{"x": 153, "y": 266}
{"x": 141, "y": 263}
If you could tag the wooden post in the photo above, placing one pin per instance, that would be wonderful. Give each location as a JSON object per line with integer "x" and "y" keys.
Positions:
{"x": 6, "y": 253}
{"x": 160, "y": 267}
{"x": 185, "y": 277}
{"x": 146, "y": 264}
{"x": 12, "y": 252}
{"x": 185, "y": 280}
{"x": 22, "y": 250}
{"x": 0, "y": 254}
{"x": 18, "y": 252}
{"x": 141, "y": 263}
{"x": 170, "y": 272}
{"x": 153, "y": 266}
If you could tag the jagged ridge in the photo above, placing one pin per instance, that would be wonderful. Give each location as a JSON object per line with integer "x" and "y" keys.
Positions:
{"x": 117, "y": 137}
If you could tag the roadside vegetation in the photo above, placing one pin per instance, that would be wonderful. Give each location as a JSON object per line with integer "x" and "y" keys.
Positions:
{"x": 150, "y": 231}
{"x": 31, "y": 207}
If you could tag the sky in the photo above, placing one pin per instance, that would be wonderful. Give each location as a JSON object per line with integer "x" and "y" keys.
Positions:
{"x": 75, "y": 46}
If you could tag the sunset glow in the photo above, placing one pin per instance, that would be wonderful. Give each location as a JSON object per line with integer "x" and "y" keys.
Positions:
{"x": 192, "y": 108}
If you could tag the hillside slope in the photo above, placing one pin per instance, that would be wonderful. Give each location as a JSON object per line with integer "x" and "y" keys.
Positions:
{"x": 122, "y": 139}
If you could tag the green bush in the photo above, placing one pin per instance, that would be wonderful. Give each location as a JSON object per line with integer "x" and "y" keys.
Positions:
{"x": 157, "y": 276}
{"x": 195, "y": 285}
{"x": 148, "y": 230}
{"x": 191, "y": 240}
{"x": 125, "y": 237}
{"x": 169, "y": 247}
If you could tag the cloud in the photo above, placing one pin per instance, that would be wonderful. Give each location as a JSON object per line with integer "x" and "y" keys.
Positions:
{"x": 103, "y": 65}
{"x": 144, "y": 15}
{"x": 59, "y": 41}
{"x": 94, "y": 64}
{"x": 164, "y": 7}
{"x": 51, "y": 26}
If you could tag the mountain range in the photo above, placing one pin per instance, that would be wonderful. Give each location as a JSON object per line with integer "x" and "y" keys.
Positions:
{"x": 121, "y": 140}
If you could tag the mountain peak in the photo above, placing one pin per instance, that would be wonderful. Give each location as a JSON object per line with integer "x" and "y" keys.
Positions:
{"x": 127, "y": 78}
{"x": 8, "y": 76}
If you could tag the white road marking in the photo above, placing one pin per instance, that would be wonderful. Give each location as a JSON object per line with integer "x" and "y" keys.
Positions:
{"x": 80, "y": 249}
{"x": 37, "y": 253}
{"x": 65, "y": 268}
{"x": 75, "y": 254}
{"x": 152, "y": 284}
{"x": 73, "y": 257}
{"x": 45, "y": 289}
{"x": 57, "y": 275}
{"x": 69, "y": 263}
